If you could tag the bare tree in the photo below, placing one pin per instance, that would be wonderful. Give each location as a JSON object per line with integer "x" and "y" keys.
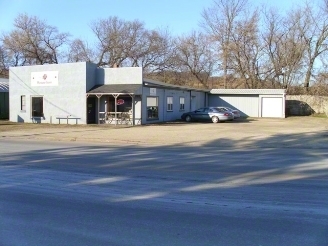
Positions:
{"x": 116, "y": 40}
{"x": 284, "y": 48}
{"x": 246, "y": 50}
{"x": 313, "y": 29}
{"x": 220, "y": 21}
{"x": 153, "y": 52}
{"x": 80, "y": 51}
{"x": 4, "y": 63}
{"x": 34, "y": 42}
{"x": 194, "y": 55}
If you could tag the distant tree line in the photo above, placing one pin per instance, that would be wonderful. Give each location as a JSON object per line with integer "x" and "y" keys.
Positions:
{"x": 237, "y": 46}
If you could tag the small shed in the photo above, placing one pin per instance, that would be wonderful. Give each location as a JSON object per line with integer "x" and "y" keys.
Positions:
{"x": 251, "y": 102}
{"x": 4, "y": 98}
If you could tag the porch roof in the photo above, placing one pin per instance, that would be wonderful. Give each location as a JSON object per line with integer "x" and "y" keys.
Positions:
{"x": 116, "y": 89}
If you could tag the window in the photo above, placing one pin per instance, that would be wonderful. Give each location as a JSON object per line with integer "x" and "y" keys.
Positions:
{"x": 152, "y": 108}
{"x": 169, "y": 101}
{"x": 182, "y": 103}
{"x": 23, "y": 103}
{"x": 37, "y": 106}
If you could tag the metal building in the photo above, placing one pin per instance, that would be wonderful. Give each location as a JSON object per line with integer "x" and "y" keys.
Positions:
{"x": 251, "y": 102}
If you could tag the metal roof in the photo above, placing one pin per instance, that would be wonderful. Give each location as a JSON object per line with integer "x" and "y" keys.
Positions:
{"x": 249, "y": 91}
{"x": 116, "y": 89}
{"x": 4, "y": 85}
{"x": 149, "y": 82}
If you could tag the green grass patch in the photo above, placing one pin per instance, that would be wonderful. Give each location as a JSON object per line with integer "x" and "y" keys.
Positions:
{"x": 322, "y": 115}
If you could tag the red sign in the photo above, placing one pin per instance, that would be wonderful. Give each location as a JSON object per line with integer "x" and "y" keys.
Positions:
{"x": 120, "y": 101}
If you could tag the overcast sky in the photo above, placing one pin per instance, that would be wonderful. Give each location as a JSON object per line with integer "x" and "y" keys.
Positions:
{"x": 75, "y": 16}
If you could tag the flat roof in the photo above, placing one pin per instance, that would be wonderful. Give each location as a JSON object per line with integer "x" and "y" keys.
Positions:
{"x": 249, "y": 91}
{"x": 116, "y": 89}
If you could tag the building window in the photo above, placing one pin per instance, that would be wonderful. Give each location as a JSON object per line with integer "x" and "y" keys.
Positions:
{"x": 169, "y": 102}
{"x": 37, "y": 106}
{"x": 152, "y": 107}
{"x": 182, "y": 103}
{"x": 23, "y": 103}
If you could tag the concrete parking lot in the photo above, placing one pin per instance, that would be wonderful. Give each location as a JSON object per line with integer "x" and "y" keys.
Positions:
{"x": 304, "y": 132}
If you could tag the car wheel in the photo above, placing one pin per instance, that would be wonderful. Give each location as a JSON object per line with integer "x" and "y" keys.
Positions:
{"x": 188, "y": 118}
{"x": 215, "y": 119}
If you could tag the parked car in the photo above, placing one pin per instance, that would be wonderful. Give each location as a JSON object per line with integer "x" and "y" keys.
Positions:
{"x": 214, "y": 114}
{"x": 235, "y": 112}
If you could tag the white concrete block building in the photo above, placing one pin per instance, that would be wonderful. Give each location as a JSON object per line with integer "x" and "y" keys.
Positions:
{"x": 82, "y": 93}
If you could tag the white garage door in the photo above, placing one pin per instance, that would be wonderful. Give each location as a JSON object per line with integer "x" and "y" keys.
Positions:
{"x": 272, "y": 107}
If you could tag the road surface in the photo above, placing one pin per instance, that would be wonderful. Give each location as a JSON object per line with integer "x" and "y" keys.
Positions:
{"x": 96, "y": 194}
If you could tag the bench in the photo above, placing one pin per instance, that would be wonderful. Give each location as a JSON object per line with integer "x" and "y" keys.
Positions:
{"x": 68, "y": 117}
{"x": 129, "y": 121}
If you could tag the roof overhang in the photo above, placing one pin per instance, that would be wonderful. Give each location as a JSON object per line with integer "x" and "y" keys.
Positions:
{"x": 158, "y": 84}
{"x": 116, "y": 89}
{"x": 248, "y": 91}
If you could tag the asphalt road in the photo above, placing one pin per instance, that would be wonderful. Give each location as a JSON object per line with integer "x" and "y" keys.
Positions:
{"x": 96, "y": 194}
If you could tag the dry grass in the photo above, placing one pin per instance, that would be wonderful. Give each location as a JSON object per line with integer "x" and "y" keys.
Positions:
{"x": 320, "y": 115}
{"x": 6, "y": 125}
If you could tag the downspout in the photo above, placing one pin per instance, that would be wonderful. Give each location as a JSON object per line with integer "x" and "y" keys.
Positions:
{"x": 206, "y": 101}
{"x": 190, "y": 100}
{"x": 98, "y": 109}
{"x": 164, "y": 106}
{"x": 133, "y": 110}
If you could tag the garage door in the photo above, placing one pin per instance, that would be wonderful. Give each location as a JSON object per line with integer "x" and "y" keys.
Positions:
{"x": 272, "y": 107}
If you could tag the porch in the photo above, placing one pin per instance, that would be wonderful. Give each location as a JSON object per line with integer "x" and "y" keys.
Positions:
{"x": 118, "y": 118}
{"x": 114, "y": 104}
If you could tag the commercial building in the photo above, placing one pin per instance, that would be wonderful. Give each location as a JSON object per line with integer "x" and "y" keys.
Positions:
{"x": 83, "y": 93}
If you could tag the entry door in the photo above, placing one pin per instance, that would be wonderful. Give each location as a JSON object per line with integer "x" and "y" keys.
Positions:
{"x": 91, "y": 108}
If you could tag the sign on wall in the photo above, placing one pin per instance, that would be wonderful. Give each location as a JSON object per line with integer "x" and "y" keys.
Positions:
{"x": 152, "y": 91}
{"x": 120, "y": 101}
{"x": 46, "y": 78}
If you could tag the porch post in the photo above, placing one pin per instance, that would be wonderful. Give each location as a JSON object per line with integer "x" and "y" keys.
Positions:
{"x": 115, "y": 97}
{"x": 98, "y": 108}
{"x": 133, "y": 111}
{"x": 133, "y": 108}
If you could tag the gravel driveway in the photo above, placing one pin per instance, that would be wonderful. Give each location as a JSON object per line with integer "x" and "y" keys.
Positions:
{"x": 304, "y": 132}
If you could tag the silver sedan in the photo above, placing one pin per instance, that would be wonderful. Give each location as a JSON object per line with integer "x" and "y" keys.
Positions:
{"x": 214, "y": 114}
{"x": 235, "y": 112}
